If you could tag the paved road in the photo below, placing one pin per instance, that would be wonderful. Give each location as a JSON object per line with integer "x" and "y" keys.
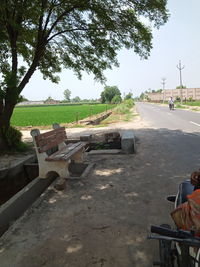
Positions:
{"x": 161, "y": 117}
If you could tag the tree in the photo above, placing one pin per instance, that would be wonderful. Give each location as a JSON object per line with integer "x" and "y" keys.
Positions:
{"x": 128, "y": 96}
{"x": 76, "y": 99}
{"x": 49, "y": 99}
{"x": 181, "y": 87}
{"x": 116, "y": 99}
{"x": 47, "y": 35}
{"x": 22, "y": 99}
{"x": 108, "y": 93}
{"x": 67, "y": 94}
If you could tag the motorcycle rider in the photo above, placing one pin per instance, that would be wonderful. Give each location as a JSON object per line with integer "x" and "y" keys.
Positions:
{"x": 171, "y": 103}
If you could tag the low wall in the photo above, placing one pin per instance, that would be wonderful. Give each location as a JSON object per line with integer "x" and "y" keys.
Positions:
{"x": 97, "y": 120}
{"x": 18, "y": 204}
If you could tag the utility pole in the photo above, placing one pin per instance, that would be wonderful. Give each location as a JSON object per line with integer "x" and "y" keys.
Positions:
{"x": 163, "y": 84}
{"x": 180, "y": 68}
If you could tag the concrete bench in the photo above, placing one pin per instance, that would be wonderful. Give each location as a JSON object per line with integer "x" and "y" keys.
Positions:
{"x": 53, "y": 154}
{"x": 128, "y": 142}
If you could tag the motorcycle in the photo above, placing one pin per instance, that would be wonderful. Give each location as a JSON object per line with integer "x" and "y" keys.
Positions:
{"x": 171, "y": 106}
{"x": 177, "y": 248}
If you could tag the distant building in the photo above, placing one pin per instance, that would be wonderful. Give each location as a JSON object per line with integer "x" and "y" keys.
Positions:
{"x": 187, "y": 93}
{"x": 41, "y": 102}
{"x": 51, "y": 102}
{"x": 30, "y": 103}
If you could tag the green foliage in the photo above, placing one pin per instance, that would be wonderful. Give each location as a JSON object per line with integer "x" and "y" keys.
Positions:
{"x": 180, "y": 106}
{"x": 50, "y": 35}
{"x": 129, "y": 103}
{"x": 109, "y": 92}
{"x": 76, "y": 99}
{"x": 12, "y": 135}
{"x": 49, "y": 99}
{"x": 128, "y": 96}
{"x": 124, "y": 108}
{"x": 116, "y": 99}
{"x": 22, "y": 99}
{"x": 143, "y": 96}
{"x": 193, "y": 103}
{"x": 67, "y": 94}
{"x": 80, "y": 35}
{"x": 13, "y": 139}
{"x": 179, "y": 87}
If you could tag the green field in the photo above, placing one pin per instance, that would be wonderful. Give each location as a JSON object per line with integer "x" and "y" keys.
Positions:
{"x": 46, "y": 115}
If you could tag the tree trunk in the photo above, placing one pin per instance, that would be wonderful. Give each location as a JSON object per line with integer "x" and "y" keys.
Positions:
{"x": 5, "y": 117}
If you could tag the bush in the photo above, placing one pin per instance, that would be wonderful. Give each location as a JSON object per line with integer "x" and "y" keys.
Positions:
{"x": 13, "y": 138}
{"x": 116, "y": 99}
{"x": 178, "y": 99}
{"x": 125, "y": 106}
{"x": 129, "y": 103}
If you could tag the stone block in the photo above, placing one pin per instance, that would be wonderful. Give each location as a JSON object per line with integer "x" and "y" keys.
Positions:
{"x": 86, "y": 137}
{"x": 128, "y": 142}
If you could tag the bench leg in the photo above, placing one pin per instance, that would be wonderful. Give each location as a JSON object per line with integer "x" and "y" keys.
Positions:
{"x": 59, "y": 167}
{"x": 79, "y": 156}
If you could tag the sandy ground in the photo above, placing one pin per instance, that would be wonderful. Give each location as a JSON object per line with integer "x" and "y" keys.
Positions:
{"x": 102, "y": 219}
{"x": 76, "y": 132}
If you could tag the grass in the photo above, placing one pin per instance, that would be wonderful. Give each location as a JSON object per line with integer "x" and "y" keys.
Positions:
{"x": 192, "y": 103}
{"x": 46, "y": 115}
{"x": 122, "y": 112}
{"x": 179, "y": 106}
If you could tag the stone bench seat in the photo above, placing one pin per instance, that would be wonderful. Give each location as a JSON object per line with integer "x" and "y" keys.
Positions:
{"x": 53, "y": 154}
{"x": 67, "y": 152}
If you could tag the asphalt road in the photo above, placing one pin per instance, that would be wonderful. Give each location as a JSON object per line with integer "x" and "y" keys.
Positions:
{"x": 161, "y": 117}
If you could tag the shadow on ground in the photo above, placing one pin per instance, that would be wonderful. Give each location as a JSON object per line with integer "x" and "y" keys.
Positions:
{"x": 104, "y": 219}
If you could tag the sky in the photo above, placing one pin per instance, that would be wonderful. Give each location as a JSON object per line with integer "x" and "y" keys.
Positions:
{"x": 178, "y": 40}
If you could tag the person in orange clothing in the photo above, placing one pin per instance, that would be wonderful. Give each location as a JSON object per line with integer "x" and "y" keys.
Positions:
{"x": 187, "y": 215}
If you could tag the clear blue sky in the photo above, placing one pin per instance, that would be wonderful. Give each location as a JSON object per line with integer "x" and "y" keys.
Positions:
{"x": 178, "y": 39}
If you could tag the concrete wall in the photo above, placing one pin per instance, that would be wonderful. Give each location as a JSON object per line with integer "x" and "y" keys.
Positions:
{"x": 187, "y": 93}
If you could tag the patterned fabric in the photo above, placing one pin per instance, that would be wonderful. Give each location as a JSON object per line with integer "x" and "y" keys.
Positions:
{"x": 187, "y": 215}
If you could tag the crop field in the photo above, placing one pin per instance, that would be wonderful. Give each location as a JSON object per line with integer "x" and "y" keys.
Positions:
{"x": 46, "y": 115}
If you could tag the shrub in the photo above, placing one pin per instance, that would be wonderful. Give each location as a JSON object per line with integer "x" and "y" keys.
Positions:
{"x": 116, "y": 99}
{"x": 129, "y": 103}
{"x": 13, "y": 138}
{"x": 124, "y": 107}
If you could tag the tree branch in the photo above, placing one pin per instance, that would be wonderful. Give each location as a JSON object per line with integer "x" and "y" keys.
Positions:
{"x": 61, "y": 16}
{"x": 77, "y": 29}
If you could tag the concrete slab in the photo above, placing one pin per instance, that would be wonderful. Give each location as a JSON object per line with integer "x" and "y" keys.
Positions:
{"x": 128, "y": 142}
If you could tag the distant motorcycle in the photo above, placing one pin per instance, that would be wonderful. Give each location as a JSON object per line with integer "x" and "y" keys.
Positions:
{"x": 171, "y": 106}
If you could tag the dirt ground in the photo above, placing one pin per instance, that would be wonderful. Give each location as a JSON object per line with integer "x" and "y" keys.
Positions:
{"x": 102, "y": 219}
